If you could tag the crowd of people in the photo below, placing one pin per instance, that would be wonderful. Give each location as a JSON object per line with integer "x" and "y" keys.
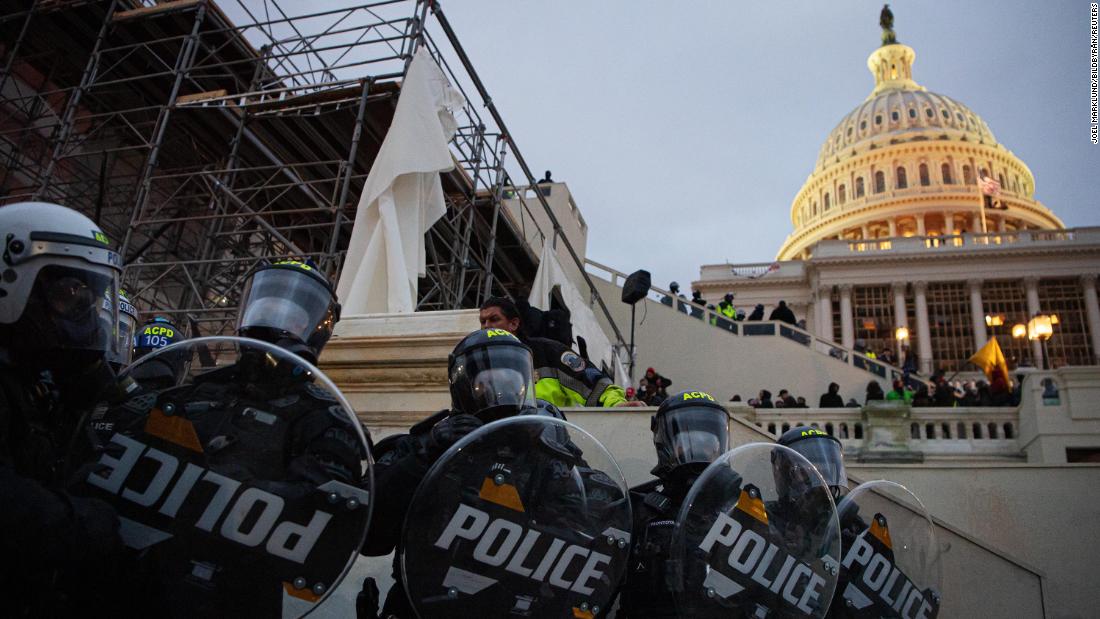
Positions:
{"x": 652, "y": 389}
{"x": 726, "y": 312}
{"x": 942, "y": 393}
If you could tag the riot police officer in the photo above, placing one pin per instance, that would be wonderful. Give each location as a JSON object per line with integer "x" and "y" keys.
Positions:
{"x": 796, "y": 503}
{"x": 823, "y": 450}
{"x": 491, "y": 377}
{"x": 55, "y": 330}
{"x": 690, "y": 430}
{"x": 262, "y": 420}
{"x": 161, "y": 371}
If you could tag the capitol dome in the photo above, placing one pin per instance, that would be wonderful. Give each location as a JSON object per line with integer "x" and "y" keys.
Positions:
{"x": 905, "y": 162}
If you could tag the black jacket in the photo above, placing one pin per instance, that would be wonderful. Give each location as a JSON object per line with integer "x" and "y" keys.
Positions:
{"x": 647, "y": 591}
{"x": 783, "y": 314}
{"x": 61, "y": 552}
{"x": 830, "y": 400}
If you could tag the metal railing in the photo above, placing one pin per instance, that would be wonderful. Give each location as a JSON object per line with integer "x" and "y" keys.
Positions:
{"x": 943, "y": 432}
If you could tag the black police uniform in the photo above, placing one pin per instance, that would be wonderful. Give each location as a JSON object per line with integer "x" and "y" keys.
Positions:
{"x": 540, "y": 467}
{"x": 272, "y": 428}
{"x": 42, "y": 526}
{"x": 651, "y": 577}
{"x": 402, "y": 461}
{"x": 647, "y": 591}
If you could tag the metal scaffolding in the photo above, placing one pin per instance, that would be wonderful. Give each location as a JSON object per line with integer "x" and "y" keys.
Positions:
{"x": 206, "y": 138}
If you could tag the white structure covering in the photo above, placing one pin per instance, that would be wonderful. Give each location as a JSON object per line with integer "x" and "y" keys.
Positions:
{"x": 551, "y": 275}
{"x": 402, "y": 197}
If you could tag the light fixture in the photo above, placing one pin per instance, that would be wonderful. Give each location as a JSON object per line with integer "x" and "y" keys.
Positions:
{"x": 994, "y": 320}
{"x": 1019, "y": 330}
{"x": 1040, "y": 327}
{"x": 1054, "y": 319}
{"x": 901, "y": 333}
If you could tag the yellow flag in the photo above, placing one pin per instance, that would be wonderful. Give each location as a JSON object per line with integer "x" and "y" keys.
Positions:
{"x": 991, "y": 360}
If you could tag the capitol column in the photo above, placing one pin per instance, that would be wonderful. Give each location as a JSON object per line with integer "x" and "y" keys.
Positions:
{"x": 825, "y": 313}
{"x": 901, "y": 314}
{"x": 893, "y": 224}
{"x": 1031, "y": 285}
{"x": 1092, "y": 312}
{"x": 920, "y": 225}
{"x": 977, "y": 313}
{"x": 924, "y": 332}
{"x": 847, "y": 333}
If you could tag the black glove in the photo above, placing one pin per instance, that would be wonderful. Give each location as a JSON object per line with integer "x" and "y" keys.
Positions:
{"x": 447, "y": 432}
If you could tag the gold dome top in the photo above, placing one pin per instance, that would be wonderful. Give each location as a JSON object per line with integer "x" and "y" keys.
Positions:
{"x": 900, "y": 110}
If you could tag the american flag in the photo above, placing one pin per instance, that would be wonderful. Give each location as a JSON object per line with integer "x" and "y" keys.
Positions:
{"x": 989, "y": 186}
{"x": 991, "y": 193}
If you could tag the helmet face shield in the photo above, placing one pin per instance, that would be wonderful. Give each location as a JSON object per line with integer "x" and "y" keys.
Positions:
{"x": 692, "y": 434}
{"x": 492, "y": 377}
{"x": 80, "y": 305}
{"x": 290, "y": 303}
{"x": 826, "y": 455}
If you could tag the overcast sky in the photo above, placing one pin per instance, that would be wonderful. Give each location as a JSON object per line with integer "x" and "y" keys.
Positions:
{"x": 684, "y": 129}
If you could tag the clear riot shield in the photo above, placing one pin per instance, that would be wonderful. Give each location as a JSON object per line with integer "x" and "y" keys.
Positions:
{"x": 241, "y": 477}
{"x": 528, "y": 516}
{"x": 891, "y": 565}
{"x": 756, "y": 537}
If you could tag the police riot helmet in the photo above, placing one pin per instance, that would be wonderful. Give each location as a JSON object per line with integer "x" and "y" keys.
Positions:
{"x": 822, "y": 450}
{"x": 546, "y": 409}
{"x": 728, "y": 298}
{"x": 690, "y": 430}
{"x": 127, "y": 320}
{"x": 154, "y": 335}
{"x": 674, "y": 287}
{"x": 165, "y": 369}
{"x": 491, "y": 375}
{"x": 59, "y": 285}
{"x": 290, "y": 304}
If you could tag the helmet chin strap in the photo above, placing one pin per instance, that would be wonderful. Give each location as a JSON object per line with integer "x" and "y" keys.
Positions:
{"x": 297, "y": 348}
{"x": 501, "y": 411}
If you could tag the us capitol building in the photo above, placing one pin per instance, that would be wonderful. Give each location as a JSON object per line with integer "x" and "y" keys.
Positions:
{"x": 889, "y": 232}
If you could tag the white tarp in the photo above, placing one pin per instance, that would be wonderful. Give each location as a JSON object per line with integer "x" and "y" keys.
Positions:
{"x": 551, "y": 274}
{"x": 402, "y": 197}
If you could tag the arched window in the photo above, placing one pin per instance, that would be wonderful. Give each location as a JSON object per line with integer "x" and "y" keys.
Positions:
{"x": 946, "y": 170}
{"x": 912, "y": 112}
{"x": 901, "y": 181}
{"x": 878, "y": 119}
{"x": 827, "y": 204}
{"x": 859, "y": 187}
{"x": 840, "y": 194}
{"x": 968, "y": 175}
{"x": 813, "y": 208}
{"x": 894, "y": 116}
{"x": 929, "y": 113}
{"x": 880, "y": 182}
{"x": 1001, "y": 180}
{"x": 923, "y": 170}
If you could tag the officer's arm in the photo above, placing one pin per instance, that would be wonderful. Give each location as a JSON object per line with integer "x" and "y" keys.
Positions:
{"x": 330, "y": 446}
{"x": 613, "y": 395}
{"x": 47, "y": 529}
{"x": 397, "y": 473}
